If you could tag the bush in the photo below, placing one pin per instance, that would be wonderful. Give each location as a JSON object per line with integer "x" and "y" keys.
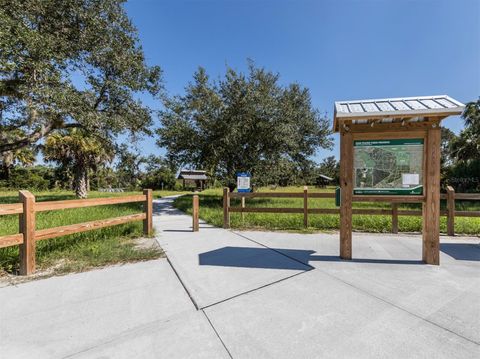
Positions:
{"x": 38, "y": 178}
{"x": 464, "y": 176}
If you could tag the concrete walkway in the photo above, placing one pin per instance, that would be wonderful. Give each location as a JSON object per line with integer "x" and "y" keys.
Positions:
{"x": 284, "y": 295}
{"x": 132, "y": 311}
{"x": 254, "y": 295}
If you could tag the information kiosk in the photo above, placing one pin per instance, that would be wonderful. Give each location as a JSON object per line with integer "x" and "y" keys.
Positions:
{"x": 390, "y": 152}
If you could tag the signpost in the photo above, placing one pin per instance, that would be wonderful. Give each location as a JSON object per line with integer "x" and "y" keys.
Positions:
{"x": 243, "y": 182}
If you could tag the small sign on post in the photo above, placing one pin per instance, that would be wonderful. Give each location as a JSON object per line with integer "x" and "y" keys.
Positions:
{"x": 243, "y": 182}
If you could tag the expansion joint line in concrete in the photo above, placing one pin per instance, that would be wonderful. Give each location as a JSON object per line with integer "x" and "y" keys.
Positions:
{"x": 254, "y": 289}
{"x": 397, "y": 306}
{"x": 181, "y": 282}
{"x": 273, "y": 249}
{"x": 218, "y": 335}
{"x": 197, "y": 307}
{"x": 365, "y": 292}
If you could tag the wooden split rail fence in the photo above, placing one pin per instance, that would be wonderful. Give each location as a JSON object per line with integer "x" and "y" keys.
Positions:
{"x": 28, "y": 235}
{"x": 450, "y": 212}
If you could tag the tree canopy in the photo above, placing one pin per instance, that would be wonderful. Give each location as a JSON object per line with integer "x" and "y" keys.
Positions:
{"x": 242, "y": 122}
{"x": 70, "y": 63}
{"x": 464, "y": 171}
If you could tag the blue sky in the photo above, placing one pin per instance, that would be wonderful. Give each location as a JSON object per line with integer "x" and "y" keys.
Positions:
{"x": 340, "y": 50}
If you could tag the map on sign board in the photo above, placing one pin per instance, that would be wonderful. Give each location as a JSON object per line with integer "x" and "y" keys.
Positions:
{"x": 388, "y": 167}
{"x": 243, "y": 182}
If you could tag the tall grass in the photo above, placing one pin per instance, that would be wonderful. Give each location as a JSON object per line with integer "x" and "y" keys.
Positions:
{"x": 211, "y": 210}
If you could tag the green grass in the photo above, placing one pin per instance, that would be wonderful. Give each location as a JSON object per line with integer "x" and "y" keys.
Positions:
{"x": 79, "y": 251}
{"x": 211, "y": 211}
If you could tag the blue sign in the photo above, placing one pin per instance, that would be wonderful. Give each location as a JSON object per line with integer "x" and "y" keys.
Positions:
{"x": 243, "y": 182}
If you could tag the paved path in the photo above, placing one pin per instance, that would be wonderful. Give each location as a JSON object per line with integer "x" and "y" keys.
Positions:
{"x": 131, "y": 311}
{"x": 254, "y": 295}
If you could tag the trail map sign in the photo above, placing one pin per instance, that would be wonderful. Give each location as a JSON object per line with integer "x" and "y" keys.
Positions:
{"x": 388, "y": 167}
{"x": 243, "y": 182}
{"x": 382, "y": 147}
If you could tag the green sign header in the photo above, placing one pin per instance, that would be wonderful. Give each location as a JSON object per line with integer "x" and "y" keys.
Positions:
{"x": 395, "y": 142}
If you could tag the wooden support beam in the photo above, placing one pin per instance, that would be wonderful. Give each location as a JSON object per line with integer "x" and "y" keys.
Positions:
{"x": 431, "y": 206}
{"x": 346, "y": 186}
{"x": 243, "y": 206}
{"x": 195, "y": 214}
{"x": 11, "y": 240}
{"x": 265, "y": 210}
{"x": 27, "y": 228}
{"x": 395, "y": 218}
{"x": 226, "y": 207}
{"x": 14, "y": 208}
{"x": 267, "y": 195}
{"x": 148, "y": 209}
{"x": 450, "y": 211}
{"x": 55, "y": 232}
{"x": 305, "y": 207}
{"x": 388, "y": 198}
{"x": 82, "y": 203}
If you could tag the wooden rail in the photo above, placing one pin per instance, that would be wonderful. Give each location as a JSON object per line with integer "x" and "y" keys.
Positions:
{"x": 449, "y": 212}
{"x": 28, "y": 207}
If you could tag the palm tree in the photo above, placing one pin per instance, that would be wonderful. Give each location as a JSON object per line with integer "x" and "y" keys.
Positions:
{"x": 79, "y": 151}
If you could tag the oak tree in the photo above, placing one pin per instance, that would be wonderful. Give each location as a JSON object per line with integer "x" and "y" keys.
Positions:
{"x": 240, "y": 123}
{"x": 71, "y": 63}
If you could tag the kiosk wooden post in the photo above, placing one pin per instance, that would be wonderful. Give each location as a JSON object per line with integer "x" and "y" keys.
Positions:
{"x": 394, "y": 122}
{"x": 431, "y": 204}
{"x": 346, "y": 188}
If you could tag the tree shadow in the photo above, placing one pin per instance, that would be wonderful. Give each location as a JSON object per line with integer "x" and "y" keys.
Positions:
{"x": 462, "y": 251}
{"x": 161, "y": 208}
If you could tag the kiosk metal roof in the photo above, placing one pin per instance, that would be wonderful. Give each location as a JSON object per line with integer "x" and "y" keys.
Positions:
{"x": 387, "y": 109}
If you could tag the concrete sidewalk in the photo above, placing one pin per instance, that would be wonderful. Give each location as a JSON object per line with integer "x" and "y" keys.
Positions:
{"x": 384, "y": 303}
{"x": 254, "y": 295}
{"x": 132, "y": 311}
{"x": 215, "y": 264}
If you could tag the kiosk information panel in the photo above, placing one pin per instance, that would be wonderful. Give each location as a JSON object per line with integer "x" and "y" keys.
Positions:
{"x": 388, "y": 167}
{"x": 243, "y": 182}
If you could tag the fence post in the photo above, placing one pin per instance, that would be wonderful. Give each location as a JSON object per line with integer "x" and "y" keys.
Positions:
{"x": 195, "y": 212}
{"x": 450, "y": 211}
{"x": 27, "y": 227}
{"x": 148, "y": 209}
{"x": 243, "y": 206}
{"x": 394, "y": 217}
{"x": 226, "y": 205}
{"x": 305, "y": 206}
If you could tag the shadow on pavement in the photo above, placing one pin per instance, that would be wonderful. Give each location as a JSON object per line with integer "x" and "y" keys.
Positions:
{"x": 160, "y": 208}
{"x": 270, "y": 259}
{"x": 461, "y": 251}
{"x": 248, "y": 257}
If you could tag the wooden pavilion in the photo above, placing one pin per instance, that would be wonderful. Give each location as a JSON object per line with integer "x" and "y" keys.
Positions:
{"x": 193, "y": 178}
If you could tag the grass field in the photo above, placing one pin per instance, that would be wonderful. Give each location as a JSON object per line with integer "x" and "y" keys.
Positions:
{"x": 211, "y": 211}
{"x": 80, "y": 251}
